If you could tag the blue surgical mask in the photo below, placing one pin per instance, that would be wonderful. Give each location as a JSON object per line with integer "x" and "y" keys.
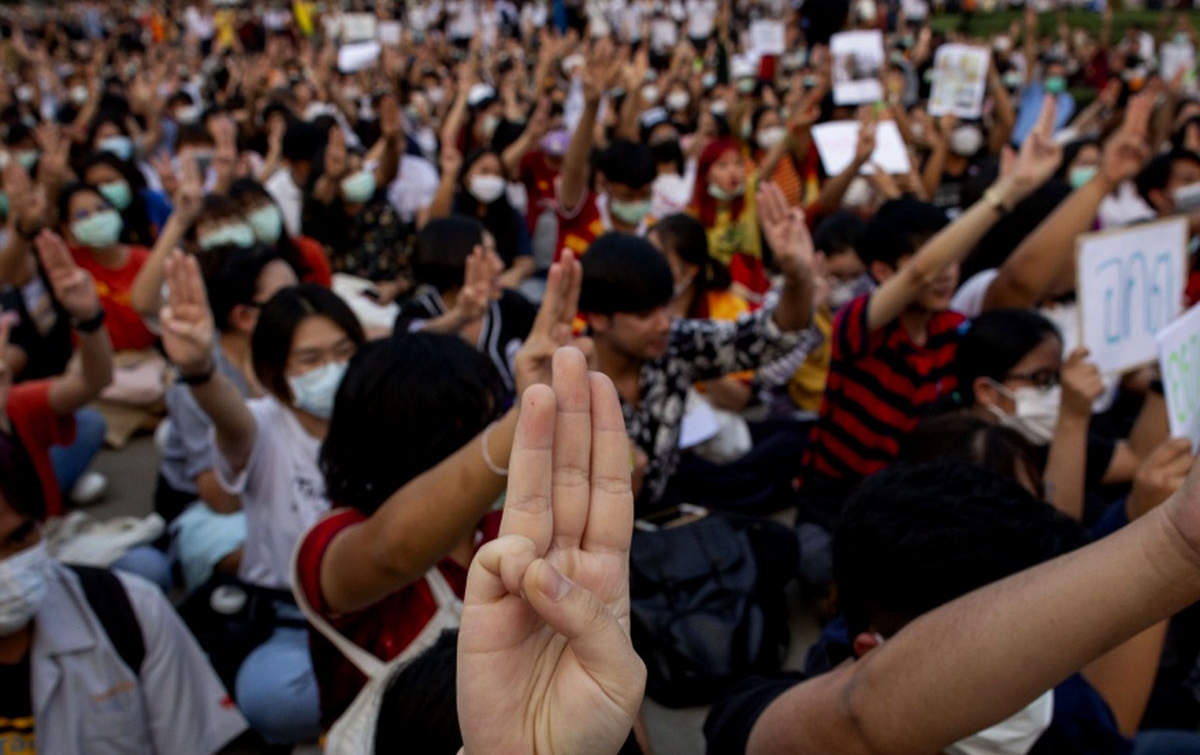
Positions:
{"x": 118, "y": 194}
{"x": 315, "y": 390}
{"x": 359, "y": 187}
{"x": 121, "y": 146}
{"x": 235, "y": 234}
{"x": 630, "y": 213}
{"x": 100, "y": 230}
{"x": 267, "y": 223}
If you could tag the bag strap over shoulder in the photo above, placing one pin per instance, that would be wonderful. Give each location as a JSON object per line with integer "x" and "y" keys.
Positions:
{"x": 110, "y": 602}
{"x": 365, "y": 662}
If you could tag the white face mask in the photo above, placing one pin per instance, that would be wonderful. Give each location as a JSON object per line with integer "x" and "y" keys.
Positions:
{"x": 1014, "y": 735}
{"x": 771, "y": 136}
{"x": 649, "y": 94}
{"x": 965, "y": 141}
{"x": 842, "y": 293}
{"x": 23, "y": 578}
{"x": 1036, "y": 415}
{"x": 486, "y": 189}
{"x": 315, "y": 390}
{"x": 677, "y": 101}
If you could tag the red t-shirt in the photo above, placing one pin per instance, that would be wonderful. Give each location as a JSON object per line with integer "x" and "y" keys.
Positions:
{"x": 38, "y": 428}
{"x": 384, "y": 629}
{"x": 538, "y": 178}
{"x": 125, "y": 326}
{"x": 312, "y": 255}
{"x": 577, "y": 230}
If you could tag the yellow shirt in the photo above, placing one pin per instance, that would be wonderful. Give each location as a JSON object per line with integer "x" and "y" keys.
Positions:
{"x": 807, "y": 385}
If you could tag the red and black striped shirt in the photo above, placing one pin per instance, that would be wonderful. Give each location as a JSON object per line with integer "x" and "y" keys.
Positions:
{"x": 880, "y": 385}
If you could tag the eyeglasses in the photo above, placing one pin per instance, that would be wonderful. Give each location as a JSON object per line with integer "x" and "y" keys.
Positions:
{"x": 1044, "y": 378}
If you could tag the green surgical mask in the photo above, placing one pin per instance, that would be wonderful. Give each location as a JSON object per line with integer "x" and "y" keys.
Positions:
{"x": 721, "y": 195}
{"x": 1080, "y": 176}
{"x": 359, "y": 187}
{"x": 630, "y": 213}
{"x": 27, "y": 158}
{"x": 100, "y": 230}
{"x": 118, "y": 194}
{"x": 267, "y": 223}
{"x": 3, "y": 204}
{"x": 235, "y": 234}
{"x": 1055, "y": 84}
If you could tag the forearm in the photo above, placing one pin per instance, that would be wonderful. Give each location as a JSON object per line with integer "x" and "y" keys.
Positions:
{"x": 389, "y": 162}
{"x": 145, "y": 295}
{"x": 512, "y": 156}
{"x": 1048, "y": 622}
{"x": 1025, "y": 277}
{"x": 443, "y": 200}
{"x": 931, "y": 175}
{"x": 418, "y": 525}
{"x": 573, "y": 180}
{"x": 1065, "y": 465}
{"x": 16, "y": 262}
{"x": 794, "y": 311}
{"x": 85, "y": 379}
{"x": 234, "y": 424}
{"x": 835, "y": 188}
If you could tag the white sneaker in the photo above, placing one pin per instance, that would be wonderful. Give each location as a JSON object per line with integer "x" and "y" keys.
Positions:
{"x": 89, "y": 489}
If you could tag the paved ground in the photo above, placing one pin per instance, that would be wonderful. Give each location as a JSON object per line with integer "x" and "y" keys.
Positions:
{"x": 132, "y": 473}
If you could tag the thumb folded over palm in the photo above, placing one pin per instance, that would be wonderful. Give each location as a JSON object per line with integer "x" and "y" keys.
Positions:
{"x": 545, "y": 663}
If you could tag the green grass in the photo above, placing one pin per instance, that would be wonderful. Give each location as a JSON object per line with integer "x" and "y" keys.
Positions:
{"x": 991, "y": 24}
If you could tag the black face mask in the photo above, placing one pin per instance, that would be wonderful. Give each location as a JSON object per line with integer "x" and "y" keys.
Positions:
{"x": 667, "y": 152}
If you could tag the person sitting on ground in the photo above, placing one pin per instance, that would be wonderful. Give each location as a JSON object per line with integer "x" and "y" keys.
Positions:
{"x": 654, "y": 361}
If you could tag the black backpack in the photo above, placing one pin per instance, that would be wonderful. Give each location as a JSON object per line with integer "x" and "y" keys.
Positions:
{"x": 109, "y": 601}
{"x": 707, "y": 606}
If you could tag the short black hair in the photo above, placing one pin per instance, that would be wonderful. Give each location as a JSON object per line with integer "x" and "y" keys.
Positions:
{"x": 838, "y": 233}
{"x": 961, "y": 436}
{"x": 406, "y": 403}
{"x": 301, "y": 141}
{"x": 628, "y": 163}
{"x": 898, "y": 229}
{"x": 419, "y": 710}
{"x": 19, "y": 484}
{"x": 994, "y": 342}
{"x": 1157, "y": 172}
{"x": 443, "y": 246}
{"x": 277, "y": 323}
{"x": 231, "y": 277}
{"x": 623, "y": 273}
{"x": 916, "y": 536}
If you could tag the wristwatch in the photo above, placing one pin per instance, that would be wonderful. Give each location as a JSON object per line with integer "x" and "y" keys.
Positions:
{"x": 199, "y": 378}
{"x": 90, "y": 325}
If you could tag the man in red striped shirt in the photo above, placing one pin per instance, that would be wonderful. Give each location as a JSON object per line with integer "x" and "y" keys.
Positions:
{"x": 893, "y": 349}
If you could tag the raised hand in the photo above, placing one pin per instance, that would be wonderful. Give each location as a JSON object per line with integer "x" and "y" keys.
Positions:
{"x": 1126, "y": 152}
{"x": 73, "y": 288}
{"x": 189, "y": 189}
{"x": 1159, "y": 475}
{"x": 1081, "y": 384}
{"x": 161, "y": 163}
{"x": 391, "y": 125}
{"x": 450, "y": 160}
{"x": 552, "y": 328}
{"x": 187, "y": 322}
{"x": 545, "y": 662}
{"x": 27, "y": 201}
{"x": 1039, "y": 157}
{"x": 786, "y": 231}
{"x": 866, "y": 141}
{"x": 336, "y": 163}
{"x": 476, "y": 292}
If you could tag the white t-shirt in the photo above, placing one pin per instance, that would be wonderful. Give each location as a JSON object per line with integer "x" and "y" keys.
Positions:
{"x": 414, "y": 187}
{"x": 463, "y": 15}
{"x": 702, "y": 15}
{"x": 289, "y": 197}
{"x": 282, "y": 491}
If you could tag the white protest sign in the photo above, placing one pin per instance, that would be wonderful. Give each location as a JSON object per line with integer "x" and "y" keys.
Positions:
{"x": 358, "y": 56}
{"x": 837, "y": 142}
{"x": 857, "y": 63}
{"x": 915, "y": 10}
{"x": 1130, "y": 286}
{"x": 1175, "y": 58}
{"x": 959, "y": 81}
{"x": 768, "y": 37}
{"x": 390, "y": 33}
{"x": 355, "y": 27}
{"x": 1179, "y": 364}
